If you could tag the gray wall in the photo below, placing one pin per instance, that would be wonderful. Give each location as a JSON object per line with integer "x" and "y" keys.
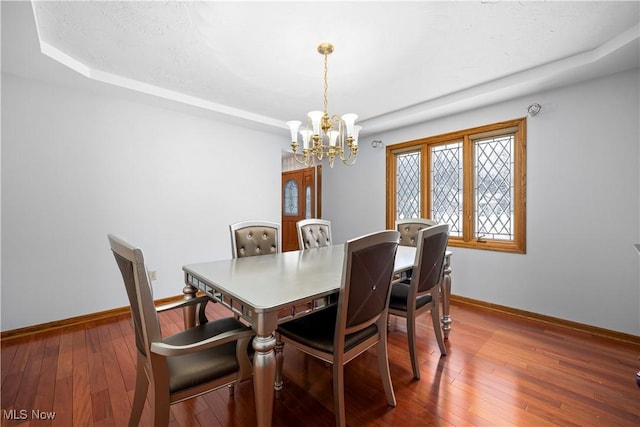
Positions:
{"x": 582, "y": 205}
{"x": 80, "y": 163}
{"x": 77, "y": 165}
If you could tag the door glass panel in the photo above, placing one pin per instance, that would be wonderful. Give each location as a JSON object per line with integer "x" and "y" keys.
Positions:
{"x": 290, "y": 198}
{"x": 307, "y": 202}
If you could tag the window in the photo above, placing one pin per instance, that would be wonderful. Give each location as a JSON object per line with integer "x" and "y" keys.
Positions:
{"x": 474, "y": 180}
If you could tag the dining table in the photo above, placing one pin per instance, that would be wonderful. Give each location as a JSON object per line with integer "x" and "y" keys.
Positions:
{"x": 268, "y": 290}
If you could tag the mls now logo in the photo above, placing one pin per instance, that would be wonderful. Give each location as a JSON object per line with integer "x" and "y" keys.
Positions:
{"x": 23, "y": 414}
{"x": 14, "y": 414}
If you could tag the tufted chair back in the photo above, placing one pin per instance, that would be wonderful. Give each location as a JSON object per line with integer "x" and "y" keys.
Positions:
{"x": 251, "y": 238}
{"x": 314, "y": 233}
{"x": 409, "y": 229}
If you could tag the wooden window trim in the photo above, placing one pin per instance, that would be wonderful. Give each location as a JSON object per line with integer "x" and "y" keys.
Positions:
{"x": 467, "y": 136}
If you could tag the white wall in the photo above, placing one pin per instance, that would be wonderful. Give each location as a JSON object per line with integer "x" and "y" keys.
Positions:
{"x": 582, "y": 205}
{"x": 77, "y": 165}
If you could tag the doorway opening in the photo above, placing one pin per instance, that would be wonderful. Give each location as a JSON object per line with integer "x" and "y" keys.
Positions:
{"x": 301, "y": 197}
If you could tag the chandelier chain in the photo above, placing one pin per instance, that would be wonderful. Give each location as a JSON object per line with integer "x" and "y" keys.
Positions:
{"x": 326, "y": 84}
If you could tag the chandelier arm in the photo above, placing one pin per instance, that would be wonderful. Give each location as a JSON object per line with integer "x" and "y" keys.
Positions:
{"x": 304, "y": 158}
{"x": 301, "y": 159}
{"x": 331, "y": 160}
{"x": 318, "y": 148}
{"x": 348, "y": 157}
{"x": 350, "y": 163}
{"x": 353, "y": 152}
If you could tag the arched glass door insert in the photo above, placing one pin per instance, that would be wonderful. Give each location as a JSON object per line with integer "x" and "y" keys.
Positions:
{"x": 290, "y": 198}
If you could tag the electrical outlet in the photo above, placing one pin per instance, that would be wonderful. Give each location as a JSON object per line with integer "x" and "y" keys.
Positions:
{"x": 153, "y": 275}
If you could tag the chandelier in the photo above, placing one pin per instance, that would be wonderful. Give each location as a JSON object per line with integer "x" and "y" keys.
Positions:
{"x": 325, "y": 135}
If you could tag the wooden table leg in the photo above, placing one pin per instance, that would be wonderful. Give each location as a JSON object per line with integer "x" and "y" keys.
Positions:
{"x": 446, "y": 296}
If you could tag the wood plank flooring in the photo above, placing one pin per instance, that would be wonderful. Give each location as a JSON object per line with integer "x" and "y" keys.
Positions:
{"x": 501, "y": 370}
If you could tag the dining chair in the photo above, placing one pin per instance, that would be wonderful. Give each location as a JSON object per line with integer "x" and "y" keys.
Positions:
{"x": 314, "y": 233}
{"x": 421, "y": 292}
{"x": 357, "y": 322}
{"x": 251, "y": 238}
{"x": 409, "y": 228}
{"x": 187, "y": 364}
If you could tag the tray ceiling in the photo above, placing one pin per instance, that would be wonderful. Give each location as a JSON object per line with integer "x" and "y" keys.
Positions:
{"x": 395, "y": 63}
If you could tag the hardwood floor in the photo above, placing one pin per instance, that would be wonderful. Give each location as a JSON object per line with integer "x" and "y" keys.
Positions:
{"x": 500, "y": 370}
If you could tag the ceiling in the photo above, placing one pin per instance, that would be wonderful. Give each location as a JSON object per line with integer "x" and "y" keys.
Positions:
{"x": 394, "y": 64}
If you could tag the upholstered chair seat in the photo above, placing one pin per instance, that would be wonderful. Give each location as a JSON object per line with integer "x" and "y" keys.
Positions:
{"x": 400, "y": 294}
{"x": 318, "y": 332}
{"x": 191, "y": 369}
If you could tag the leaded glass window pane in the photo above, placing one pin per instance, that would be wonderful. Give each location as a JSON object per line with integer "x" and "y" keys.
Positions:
{"x": 446, "y": 186}
{"x": 290, "y": 198}
{"x": 408, "y": 185}
{"x": 494, "y": 187}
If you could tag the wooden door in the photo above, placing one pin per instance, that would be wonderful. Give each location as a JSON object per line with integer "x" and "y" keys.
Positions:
{"x": 298, "y": 202}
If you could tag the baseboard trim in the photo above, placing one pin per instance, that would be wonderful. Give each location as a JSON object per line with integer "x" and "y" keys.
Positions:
{"x": 580, "y": 327}
{"x": 73, "y": 321}
{"x": 455, "y": 299}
